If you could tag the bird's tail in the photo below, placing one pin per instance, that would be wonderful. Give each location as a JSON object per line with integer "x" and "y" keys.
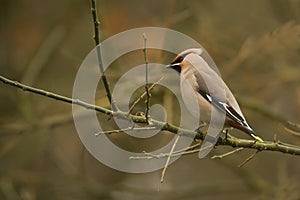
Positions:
{"x": 254, "y": 135}
{"x": 247, "y": 129}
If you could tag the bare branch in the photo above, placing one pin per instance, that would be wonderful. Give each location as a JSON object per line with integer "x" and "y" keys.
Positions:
{"x": 143, "y": 95}
{"x": 147, "y": 81}
{"x": 99, "y": 55}
{"x": 249, "y": 158}
{"x": 164, "y": 126}
{"x": 184, "y": 151}
{"x": 168, "y": 159}
{"x": 126, "y": 129}
{"x": 227, "y": 154}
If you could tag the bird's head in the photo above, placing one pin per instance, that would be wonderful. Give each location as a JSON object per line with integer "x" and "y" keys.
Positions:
{"x": 178, "y": 62}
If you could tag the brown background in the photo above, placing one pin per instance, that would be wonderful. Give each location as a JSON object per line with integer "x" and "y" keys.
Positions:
{"x": 256, "y": 45}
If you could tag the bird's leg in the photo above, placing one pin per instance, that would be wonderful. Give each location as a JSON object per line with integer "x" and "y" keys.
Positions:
{"x": 227, "y": 135}
{"x": 201, "y": 126}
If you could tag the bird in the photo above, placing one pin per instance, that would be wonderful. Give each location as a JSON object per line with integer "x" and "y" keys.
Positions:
{"x": 211, "y": 92}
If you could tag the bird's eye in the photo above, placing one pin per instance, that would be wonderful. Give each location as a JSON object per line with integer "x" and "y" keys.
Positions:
{"x": 178, "y": 60}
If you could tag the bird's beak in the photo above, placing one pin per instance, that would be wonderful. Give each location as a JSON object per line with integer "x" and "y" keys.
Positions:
{"x": 172, "y": 66}
{"x": 169, "y": 66}
{"x": 175, "y": 66}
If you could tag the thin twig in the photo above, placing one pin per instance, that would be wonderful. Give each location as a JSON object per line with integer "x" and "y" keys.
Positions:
{"x": 187, "y": 148}
{"x": 249, "y": 158}
{"x": 146, "y": 156}
{"x": 177, "y": 153}
{"x": 180, "y": 152}
{"x": 99, "y": 55}
{"x": 168, "y": 159}
{"x": 147, "y": 81}
{"x": 142, "y": 96}
{"x": 227, "y": 154}
{"x": 289, "y": 130}
{"x": 286, "y": 144}
{"x": 234, "y": 142}
{"x": 113, "y": 131}
{"x": 126, "y": 129}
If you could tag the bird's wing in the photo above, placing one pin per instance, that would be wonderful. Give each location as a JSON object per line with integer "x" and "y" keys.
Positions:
{"x": 212, "y": 88}
{"x": 211, "y": 83}
{"x": 225, "y": 107}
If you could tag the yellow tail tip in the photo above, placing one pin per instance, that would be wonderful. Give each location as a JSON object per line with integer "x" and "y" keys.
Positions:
{"x": 257, "y": 138}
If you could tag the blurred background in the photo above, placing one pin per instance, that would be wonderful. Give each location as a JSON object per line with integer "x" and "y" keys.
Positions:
{"x": 255, "y": 44}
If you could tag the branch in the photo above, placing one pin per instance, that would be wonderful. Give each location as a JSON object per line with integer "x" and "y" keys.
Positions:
{"x": 143, "y": 95}
{"x": 248, "y": 159}
{"x": 164, "y": 126}
{"x": 227, "y": 154}
{"x": 126, "y": 129}
{"x": 147, "y": 82}
{"x": 168, "y": 159}
{"x": 184, "y": 151}
{"x": 97, "y": 42}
